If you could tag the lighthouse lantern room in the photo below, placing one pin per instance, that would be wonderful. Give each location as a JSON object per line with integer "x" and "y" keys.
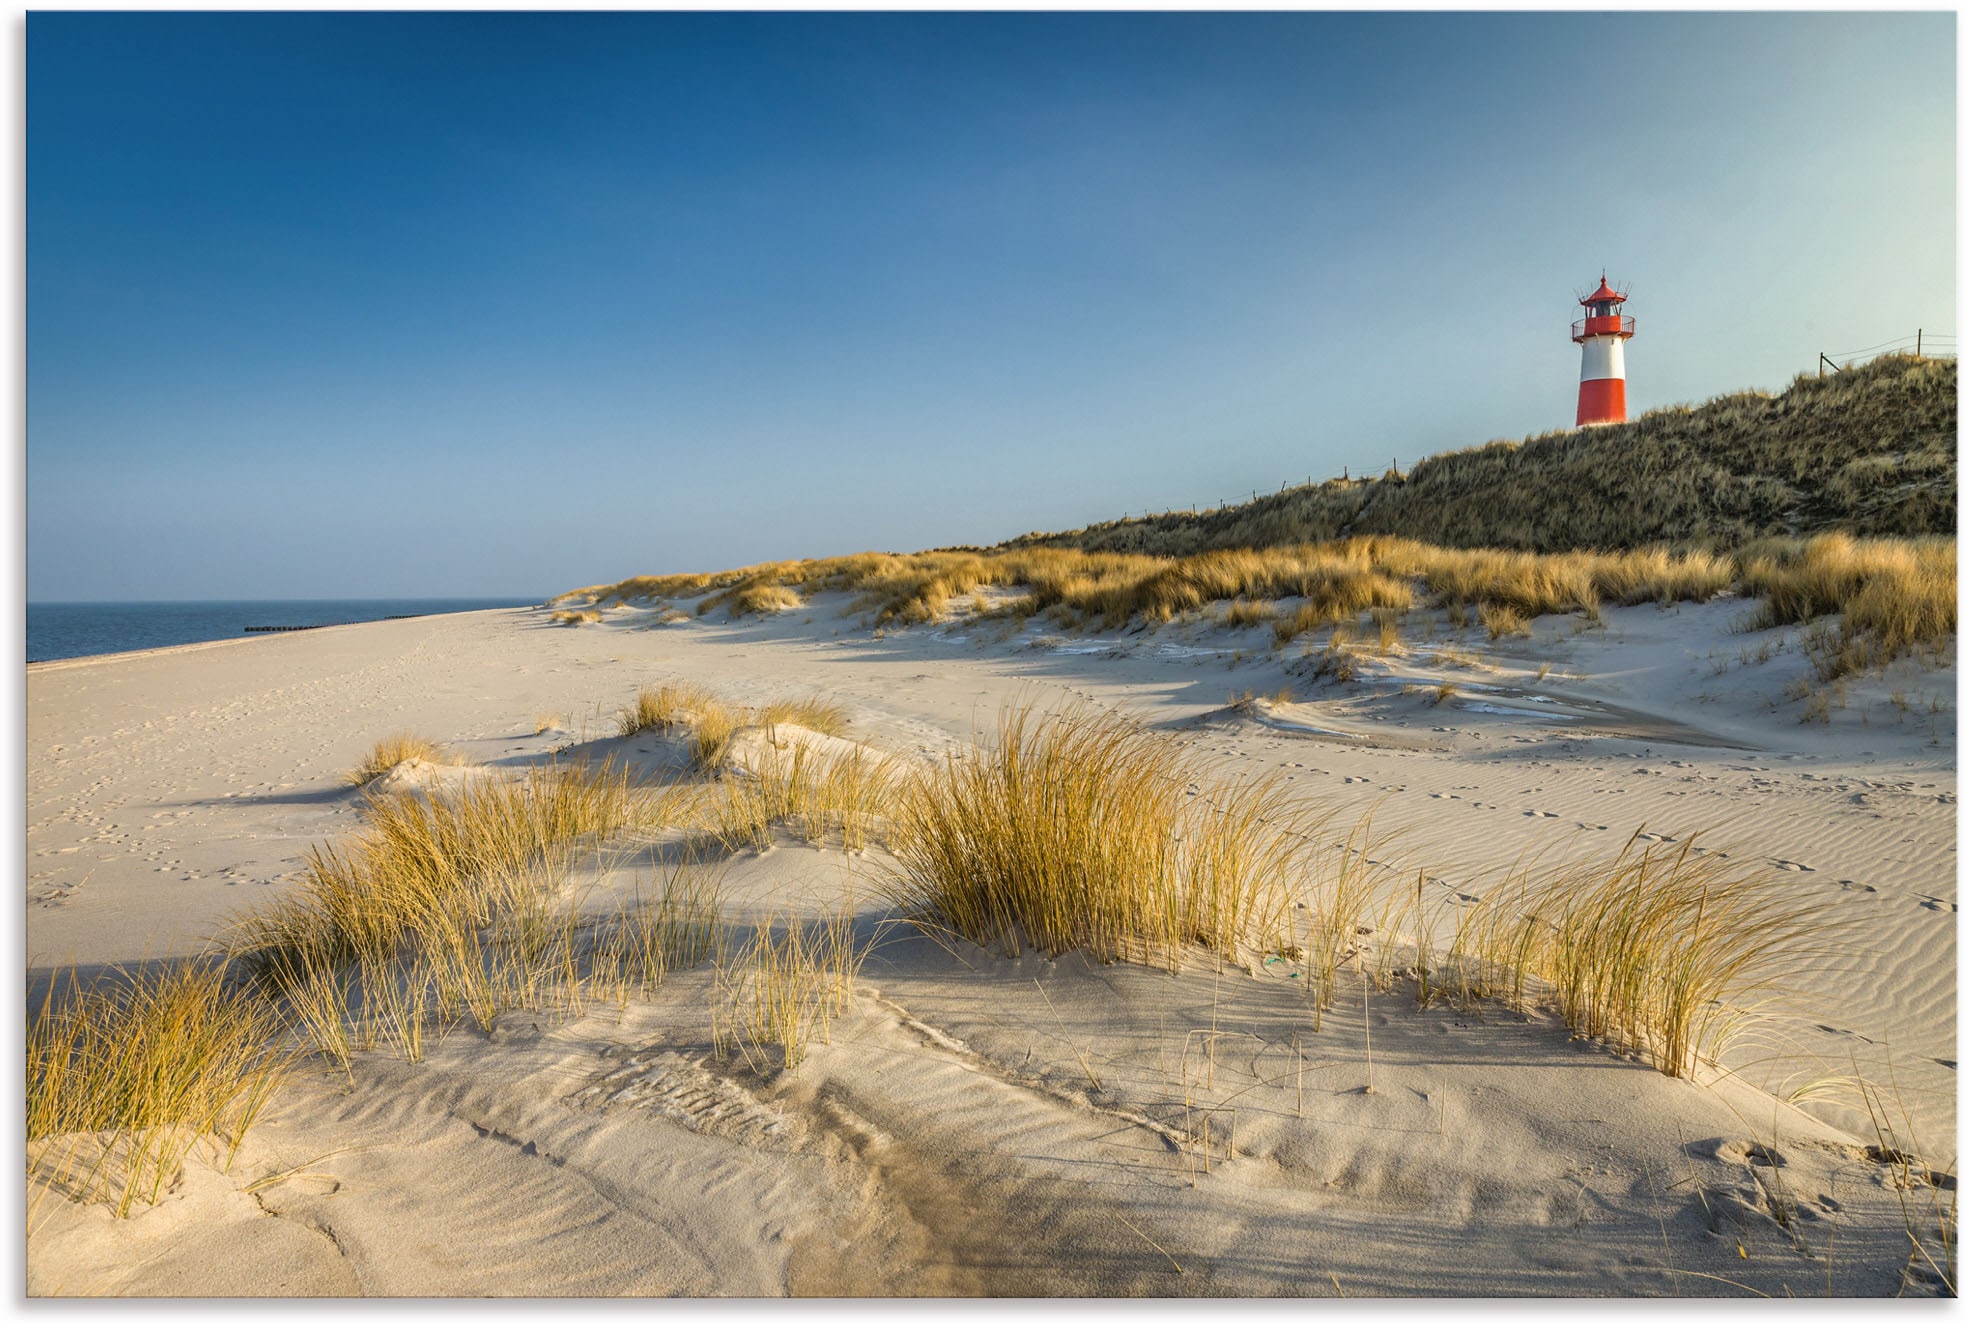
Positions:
{"x": 1603, "y": 332}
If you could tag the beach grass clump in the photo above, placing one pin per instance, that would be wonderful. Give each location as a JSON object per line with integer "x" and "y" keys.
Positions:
{"x": 1502, "y": 620}
{"x": 1243, "y": 612}
{"x": 716, "y": 723}
{"x": 1894, "y": 597}
{"x": 1078, "y": 830}
{"x": 451, "y": 860}
{"x": 576, "y": 617}
{"x": 785, "y": 987}
{"x": 125, "y": 1073}
{"x": 757, "y": 595}
{"x": 844, "y": 797}
{"x": 1658, "y": 950}
{"x": 812, "y": 712}
{"x": 387, "y": 753}
{"x": 663, "y": 707}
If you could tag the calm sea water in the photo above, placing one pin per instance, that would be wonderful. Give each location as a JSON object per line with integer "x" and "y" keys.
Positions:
{"x": 75, "y": 630}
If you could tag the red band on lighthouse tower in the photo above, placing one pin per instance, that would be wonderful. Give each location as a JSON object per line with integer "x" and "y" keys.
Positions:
{"x": 1602, "y": 335}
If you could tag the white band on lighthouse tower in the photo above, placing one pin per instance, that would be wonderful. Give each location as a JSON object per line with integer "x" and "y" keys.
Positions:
{"x": 1605, "y": 356}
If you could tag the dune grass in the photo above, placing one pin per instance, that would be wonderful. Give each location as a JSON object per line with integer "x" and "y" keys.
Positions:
{"x": 1896, "y": 596}
{"x": 1870, "y": 451}
{"x": 1660, "y": 949}
{"x": 391, "y": 751}
{"x": 663, "y": 707}
{"x": 1677, "y": 506}
{"x": 1298, "y": 588}
{"x": 457, "y": 906}
{"x": 575, "y": 617}
{"x": 711, "y": 722}
{"x": 811, "y": 712}
{"x": 1893, "y": 598}
{"x": 125, "y": 1073}
{"x": 820, "y": 797}
{"x": 1244, "y": 612}
{"x": 784, "y": 987}
{"x": 755, "y": 596}
{"x": 1076, "y": 830}
{"x": 451, "y": 860}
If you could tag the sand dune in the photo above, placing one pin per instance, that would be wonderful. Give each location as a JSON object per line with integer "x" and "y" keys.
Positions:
{"x": 978, "y": 1124}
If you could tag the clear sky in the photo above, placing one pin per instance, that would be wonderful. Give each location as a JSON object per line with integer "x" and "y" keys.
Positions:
{"x": 396, "y": 305}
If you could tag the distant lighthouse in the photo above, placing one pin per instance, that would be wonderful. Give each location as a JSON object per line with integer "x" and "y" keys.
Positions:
{"x": 1602, "y": 377}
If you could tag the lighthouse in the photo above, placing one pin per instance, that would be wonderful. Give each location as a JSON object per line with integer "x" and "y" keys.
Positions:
{"x": 1602, "y": 377}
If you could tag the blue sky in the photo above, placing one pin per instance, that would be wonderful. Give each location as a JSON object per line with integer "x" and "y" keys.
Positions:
{"x": 394, "y": 304}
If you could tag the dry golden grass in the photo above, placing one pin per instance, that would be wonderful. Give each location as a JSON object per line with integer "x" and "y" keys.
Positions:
{"x": 391, "y": 751}
{"x": 1870, "y": 451}
{"x": 715, "y": 724}
{"x": 1077, "y": 830}
{"x": 453, "y": 859}
{"x": 1664, "y": 498}
{"x": 574, "y": 617}
{"x": 712, "y": 722}
{"x": 1332, "y": 583}
{"x": 1658, "y": 949}
{"x": 663, "y": 707}
{"x": 785, "y": 987}
{"x": 126, "y": 1073}
{"x": 820, "y": 797}
{"x": 1501, "y": 620}
{"x": 1893, "y": 597}
{"x": 756, "y": 596}
{"x": 813, "y": 713}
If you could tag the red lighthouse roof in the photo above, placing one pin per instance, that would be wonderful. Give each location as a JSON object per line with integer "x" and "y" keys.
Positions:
{"x": 1605, "y": 294}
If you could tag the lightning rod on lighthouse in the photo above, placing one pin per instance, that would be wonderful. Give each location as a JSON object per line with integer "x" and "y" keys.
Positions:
{"x": 1603, "y": 333}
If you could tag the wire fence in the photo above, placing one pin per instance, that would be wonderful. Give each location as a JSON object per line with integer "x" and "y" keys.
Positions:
{"x": 1922, "y": 343}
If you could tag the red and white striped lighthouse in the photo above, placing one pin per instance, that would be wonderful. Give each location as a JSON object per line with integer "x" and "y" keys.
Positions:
{"x": 1602, "y": 377}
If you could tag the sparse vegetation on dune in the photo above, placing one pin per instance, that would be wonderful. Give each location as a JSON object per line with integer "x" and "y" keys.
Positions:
{"x": 1898, "y": 592}
{"x": 753, "y": 597}
{"x": 1657, "y": 949}
{"x": 1870, "y": 451}
{"x": 711, "y": 722}
{"x": 448, "y": 863}
{"x": 1077, "y": 830}
{"x": 785, "y": 986}
{"x": 127, "y": 1072}
{"x": 662, "y": 708}
{"x": 573, "y": 617}
{"x": 818, "y": 796}
{"x": 1893, "y": 597}
{"x": 1330, "y": 583}
{"x": 387, "y": 753}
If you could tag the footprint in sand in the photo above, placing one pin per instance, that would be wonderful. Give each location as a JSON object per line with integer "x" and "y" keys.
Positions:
{"x": 1357, "y": 779}
{"x": 1937, "y": 904}
{"x": 1851, "y": 886}
{"x": 1539, "y": 814}
{"x": 1793, "y": 865}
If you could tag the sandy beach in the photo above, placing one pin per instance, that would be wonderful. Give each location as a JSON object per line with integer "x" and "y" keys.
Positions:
{"x": 981, "y": 1124}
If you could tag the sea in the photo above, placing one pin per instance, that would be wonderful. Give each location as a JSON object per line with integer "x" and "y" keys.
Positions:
{"x": 78, "y": 630}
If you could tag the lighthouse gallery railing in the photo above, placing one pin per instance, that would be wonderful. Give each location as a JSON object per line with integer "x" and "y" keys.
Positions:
{"x": 1602, "y": 326}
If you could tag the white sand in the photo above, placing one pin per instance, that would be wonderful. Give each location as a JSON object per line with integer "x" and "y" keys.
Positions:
{"x": 984, "y": 1125}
